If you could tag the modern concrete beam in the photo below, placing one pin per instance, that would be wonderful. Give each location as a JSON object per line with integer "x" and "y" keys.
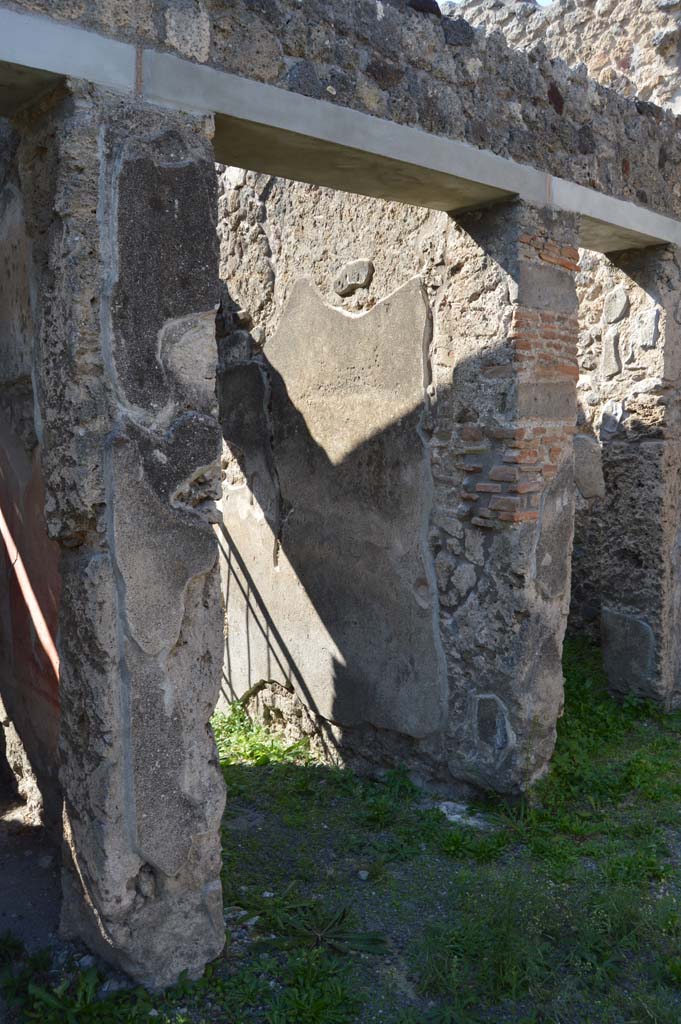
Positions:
{"x": 268, "y": 129}
{"x": 35, "y": 52}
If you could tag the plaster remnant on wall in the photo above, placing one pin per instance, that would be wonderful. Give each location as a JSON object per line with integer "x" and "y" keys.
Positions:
{"x": 338, "y": 449}
{"x": 497, "y": 421}
{"x": 629, "y": 649}
{"x": 588, "y": 467}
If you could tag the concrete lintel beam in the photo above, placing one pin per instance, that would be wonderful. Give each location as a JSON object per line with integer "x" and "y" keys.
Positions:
{"x": 264, "y": 128}
{"x": 36, "y": 51}
{"x": 268, "y": 129}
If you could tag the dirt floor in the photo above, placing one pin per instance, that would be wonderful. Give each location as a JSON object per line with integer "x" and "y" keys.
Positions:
{"x": 30, "y": 889}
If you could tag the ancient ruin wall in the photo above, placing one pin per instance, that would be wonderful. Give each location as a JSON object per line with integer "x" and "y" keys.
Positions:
{"x": 386, "y": 59}
{"x": 495, "y": 540}
{"x": 626, "y": 583}
{"x": 628, "y": 458}
{"x": 632, "y": 47}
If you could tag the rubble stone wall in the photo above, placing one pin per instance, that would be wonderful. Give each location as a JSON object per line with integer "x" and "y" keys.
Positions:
{"x": 632, "y": 47}
{"x": 384, "y": 58}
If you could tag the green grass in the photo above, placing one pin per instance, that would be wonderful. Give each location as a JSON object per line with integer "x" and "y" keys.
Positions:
{"x": 363, "y": 906}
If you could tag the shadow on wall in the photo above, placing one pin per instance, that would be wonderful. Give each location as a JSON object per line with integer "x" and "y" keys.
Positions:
{"x": 346, "y": 515}
{"x": 325, "y": 535}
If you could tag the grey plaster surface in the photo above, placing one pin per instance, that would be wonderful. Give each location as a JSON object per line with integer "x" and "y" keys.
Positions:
{"x": 628, "y": 652}
{"x": 130, "y": 412}
{"x": 588, "y": 466}
{"x": 337, "y": 489}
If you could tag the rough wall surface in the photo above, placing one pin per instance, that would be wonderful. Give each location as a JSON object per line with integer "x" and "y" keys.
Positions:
{"x": 632, "y": 47}
{"x": 626, "y": 581}
{"x": 120, "y": 208}
{"x": 500, "y": 521}
{"x": 626, "y": 566}
{"x": 29, "y": 697}
{"x": 386, "y": 59}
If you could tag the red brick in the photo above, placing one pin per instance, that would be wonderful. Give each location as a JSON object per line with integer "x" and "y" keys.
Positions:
{"x": 559, "y": 261}
{"x": 507, "y": 473}
{"x": 504, "y": 504}
{"x": 526, "y": 516}
{"x": 522, "y": 315}
{"x": 567, "y": 371}
{"x": 503, "y": 433}
{"x": 485, "y": 488}
{"x": 527, "y": 487}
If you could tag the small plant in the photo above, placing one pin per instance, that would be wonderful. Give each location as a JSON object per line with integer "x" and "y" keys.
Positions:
{"x": 11, "y": 949}
{"x": 239, "y": 739}
{"x": 315, "y": 927}
{"x": 316, "y": 990}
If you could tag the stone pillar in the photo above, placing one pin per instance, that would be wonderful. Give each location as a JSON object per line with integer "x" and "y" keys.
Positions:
{"x": 120, "y": 202}
{"x": 503, "y": 453}
{"x": 628, "y": 524}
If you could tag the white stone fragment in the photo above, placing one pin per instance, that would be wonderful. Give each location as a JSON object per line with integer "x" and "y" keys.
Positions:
{"x": 616, "y": 305}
